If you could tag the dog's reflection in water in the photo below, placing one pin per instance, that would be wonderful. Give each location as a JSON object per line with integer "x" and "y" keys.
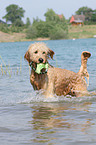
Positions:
{"x": 50, "y": 118}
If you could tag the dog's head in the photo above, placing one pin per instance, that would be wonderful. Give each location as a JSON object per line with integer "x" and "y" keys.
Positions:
{"x": 38, "y": 53}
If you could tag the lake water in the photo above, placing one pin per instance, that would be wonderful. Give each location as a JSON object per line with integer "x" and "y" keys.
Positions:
{"x": 26, "y": 117}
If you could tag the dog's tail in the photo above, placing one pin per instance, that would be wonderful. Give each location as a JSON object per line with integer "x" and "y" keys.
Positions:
{"x": 83, "y": 69}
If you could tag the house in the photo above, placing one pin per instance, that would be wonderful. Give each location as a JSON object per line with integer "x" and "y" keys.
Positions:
{"x": 77, "y": 20}
{"x": 60, "y": 16}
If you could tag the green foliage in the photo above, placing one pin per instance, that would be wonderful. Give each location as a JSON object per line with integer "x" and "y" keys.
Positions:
{"x": 50, "y": 15}
{"x": 15, "y": 29}
{"x": 31, "y": 32}
{"x": 14, "y": 13}
{"x": 18, "y": 23}
{"x": 28, "y": 23}
{"x": 42, "y": 28}
{"x": 84, "y": 10}
{"x": 58, "y": 33}
{"x": 4, "y": 28}
{"x": 54, "y": 26}
{"x": 90, "y": 15}
{"x": 11, "y": 28}
{"x": 93, "y": 18}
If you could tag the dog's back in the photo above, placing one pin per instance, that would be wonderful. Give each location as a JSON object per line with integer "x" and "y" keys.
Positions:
{"x": 64, "y": 82}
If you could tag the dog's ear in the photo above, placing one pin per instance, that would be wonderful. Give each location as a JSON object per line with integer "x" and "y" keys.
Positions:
{"x": 51, "y": 53}
{"x": 27, "y": 56}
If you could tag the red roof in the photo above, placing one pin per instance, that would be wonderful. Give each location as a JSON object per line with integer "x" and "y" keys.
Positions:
{"x": 77, "y": 18}
{"x": 72, "y": 19}
{"x": 60, "y": 16}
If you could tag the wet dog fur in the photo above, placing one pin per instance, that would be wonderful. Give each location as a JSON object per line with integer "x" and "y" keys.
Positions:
{"x": 56, "y": 81}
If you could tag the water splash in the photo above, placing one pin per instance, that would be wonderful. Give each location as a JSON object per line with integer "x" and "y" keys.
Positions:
{"x": 30, "y": 96}
{"x": 38, "y": 97}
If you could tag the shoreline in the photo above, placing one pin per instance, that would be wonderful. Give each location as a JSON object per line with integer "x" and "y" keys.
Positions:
{"x": 75, "y": 32}
{"x": 17, "y": 37}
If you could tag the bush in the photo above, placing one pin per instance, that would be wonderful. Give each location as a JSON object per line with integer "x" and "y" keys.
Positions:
{"x": 58, "y": 33}
{"x": 4, "y": 28}
{"x": 89, "y": 23}
{"x": 15, "y": 29}
{"x": 10, "y": 28}
{"x": 31, "y": 32}
{"x": 18, "y": 23}
{"x": 43, "y": 29}
{"x": 54, "y": 26}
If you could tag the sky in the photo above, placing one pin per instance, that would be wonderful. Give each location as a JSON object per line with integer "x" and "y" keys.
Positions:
{"x": 34, "y": 8}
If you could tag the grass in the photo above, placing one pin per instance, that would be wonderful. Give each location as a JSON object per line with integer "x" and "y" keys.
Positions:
{"x": 86, "y": 31}
{"x": 6, "y": 70}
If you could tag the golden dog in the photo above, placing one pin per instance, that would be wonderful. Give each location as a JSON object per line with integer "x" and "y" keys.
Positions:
{"x": 55, "y": 80}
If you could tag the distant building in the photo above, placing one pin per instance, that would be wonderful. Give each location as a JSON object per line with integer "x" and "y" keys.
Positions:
{"x": 77, "y": 20}
{"x": 60, "y": 16}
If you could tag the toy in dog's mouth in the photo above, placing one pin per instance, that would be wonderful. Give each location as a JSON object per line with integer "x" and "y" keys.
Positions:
{"x": 40, "y": 67}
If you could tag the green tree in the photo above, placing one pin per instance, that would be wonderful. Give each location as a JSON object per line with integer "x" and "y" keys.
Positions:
{"x": 54, "y": 27}
{"x": 90, "y": 15}
{"x": 18, "y": 23}
{"x": 93, "y": 18}
{"x": 58, "y": 33}
{"x": 43, "y": 28}
{"x": 56, "y": 20}
{"x": 50, "y": 15}
{"x": 31, "y": 32}
{"x": 85, "y": 11}
{"x": 14, "y": 12}
{"x": 36, "y": 20}
{"x": 28, "y": 23}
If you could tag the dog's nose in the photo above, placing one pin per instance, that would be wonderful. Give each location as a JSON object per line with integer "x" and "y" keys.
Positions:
{"x": 40, "y": 60}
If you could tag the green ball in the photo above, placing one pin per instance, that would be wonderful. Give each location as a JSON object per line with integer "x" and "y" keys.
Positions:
{"x": 40, "y": 66}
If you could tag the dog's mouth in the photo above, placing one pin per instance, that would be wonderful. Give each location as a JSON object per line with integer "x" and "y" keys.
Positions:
{"x": 39, "y": 68}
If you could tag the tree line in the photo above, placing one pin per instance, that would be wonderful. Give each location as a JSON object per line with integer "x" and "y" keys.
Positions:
{"x": 90, "y": 14}
{"x": 55, "y": 26}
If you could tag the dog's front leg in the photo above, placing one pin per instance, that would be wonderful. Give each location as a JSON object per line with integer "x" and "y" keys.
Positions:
{"x": 50, "y": 90}
{"x": 50, "y": 86}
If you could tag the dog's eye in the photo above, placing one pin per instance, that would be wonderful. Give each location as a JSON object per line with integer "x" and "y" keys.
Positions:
{"x": 43, "y": 53}
{"x": 36, "y": 52}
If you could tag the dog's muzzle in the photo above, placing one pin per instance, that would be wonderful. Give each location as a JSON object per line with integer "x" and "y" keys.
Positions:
{"x": 39, "y": 67}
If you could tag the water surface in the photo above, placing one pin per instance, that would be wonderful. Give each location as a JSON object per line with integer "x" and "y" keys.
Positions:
{"x": 27, "y": 117}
